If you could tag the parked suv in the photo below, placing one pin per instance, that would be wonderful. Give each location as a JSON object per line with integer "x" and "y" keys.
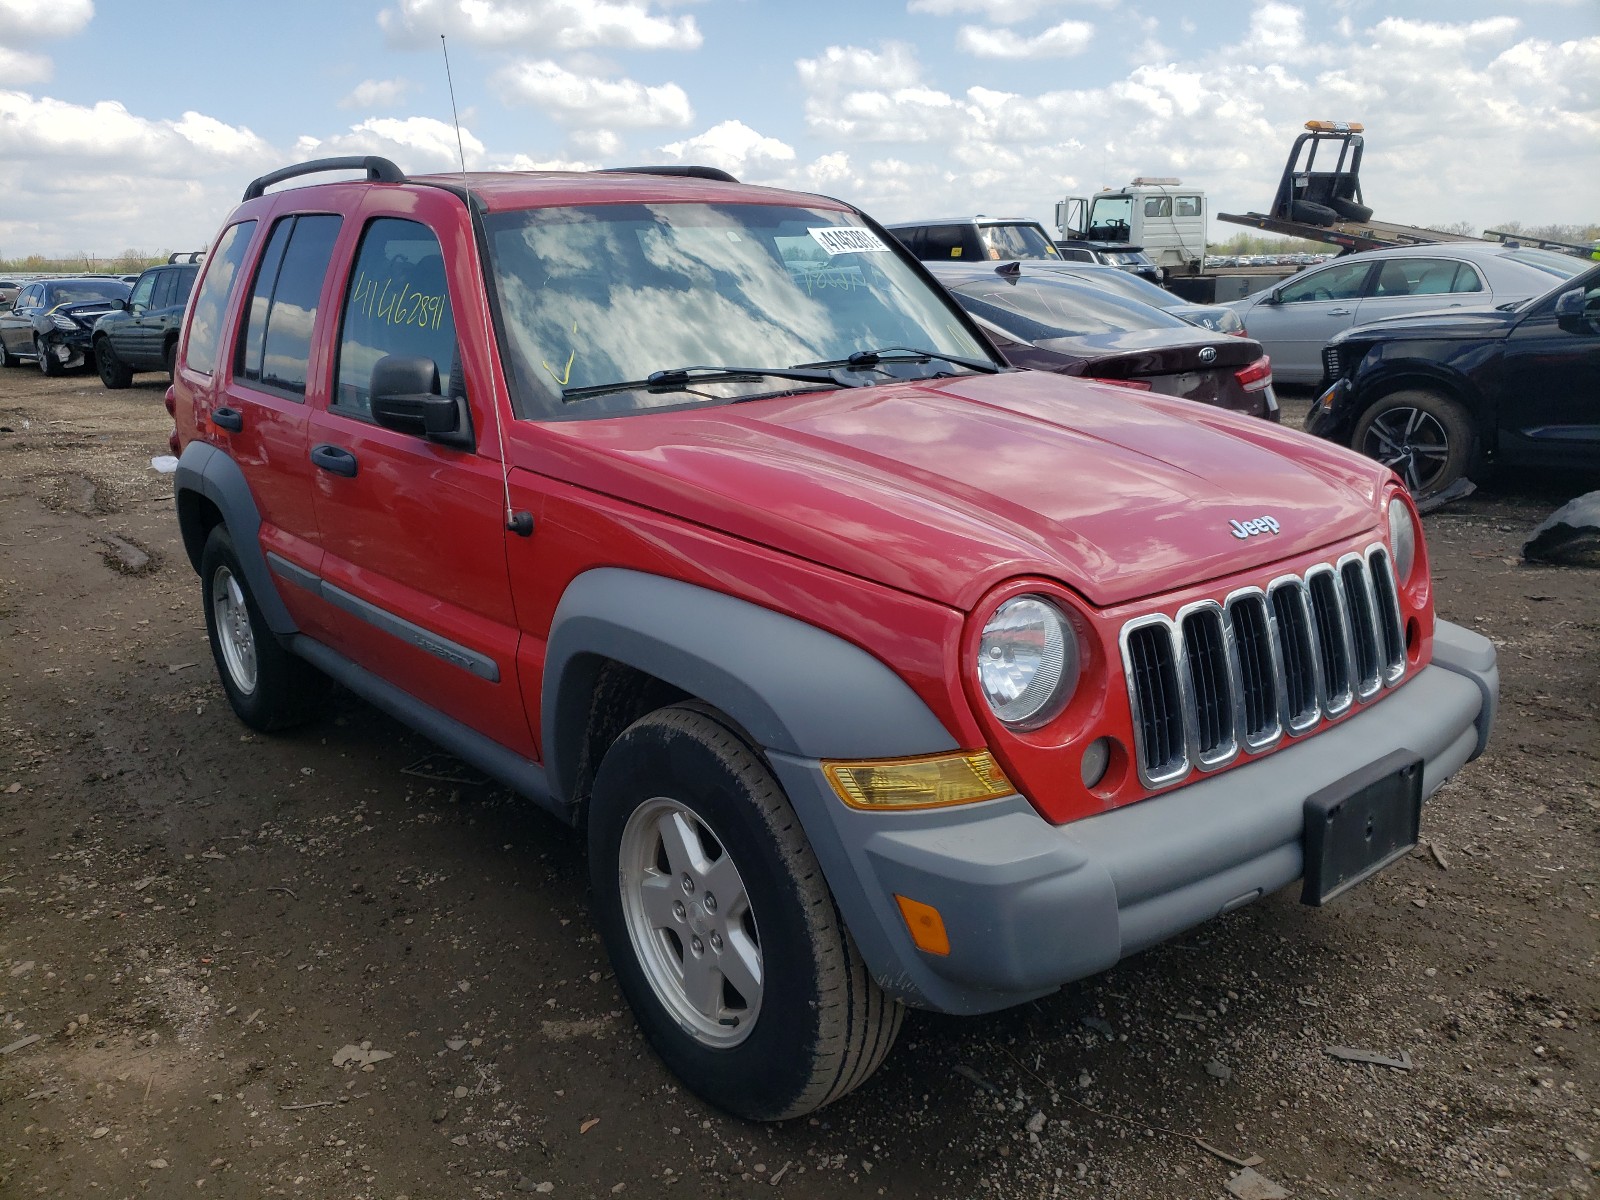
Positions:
{"x": 875, "y": 672}
{"x": 141, "y": 333}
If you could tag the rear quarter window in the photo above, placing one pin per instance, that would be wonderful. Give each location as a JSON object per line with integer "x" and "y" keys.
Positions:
{"x": 205, "y": 322}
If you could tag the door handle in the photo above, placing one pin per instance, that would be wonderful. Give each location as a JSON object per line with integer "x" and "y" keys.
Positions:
{"x": 1340, "y": 312}
{"x": 230, "y": 419}
{"x": 334, "y": 458}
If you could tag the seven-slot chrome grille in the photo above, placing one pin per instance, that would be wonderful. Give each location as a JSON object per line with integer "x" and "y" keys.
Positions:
{"x": 1221, "y": 679}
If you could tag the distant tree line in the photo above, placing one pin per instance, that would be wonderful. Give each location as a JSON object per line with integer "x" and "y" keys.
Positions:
{"x": 126, "y": 263}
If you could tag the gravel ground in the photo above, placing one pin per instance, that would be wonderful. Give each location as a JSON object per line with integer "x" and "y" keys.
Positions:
{"x": 338, "y": 964}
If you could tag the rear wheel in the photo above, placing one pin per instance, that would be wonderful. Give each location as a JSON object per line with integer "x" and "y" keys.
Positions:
{"x": 47, "y": 362}
{"x": 171, "y": 359}
{"x": 7, "y": 359}
{"x": 114, "y": 373}
{"x": 724, "y": 935}
{"x": 268, "y": 687}
{"x": 1424, "y": 437}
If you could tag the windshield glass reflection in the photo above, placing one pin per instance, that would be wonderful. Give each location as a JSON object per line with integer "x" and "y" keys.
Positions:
{"x": 606, "y": 294}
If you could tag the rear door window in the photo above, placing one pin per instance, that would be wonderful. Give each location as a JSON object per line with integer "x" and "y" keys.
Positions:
{"x": 205, "y": 322}
{"x": 275, "y": 344}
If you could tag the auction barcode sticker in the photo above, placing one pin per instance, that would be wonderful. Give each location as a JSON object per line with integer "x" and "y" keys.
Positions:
{"x": 848, "y": 239}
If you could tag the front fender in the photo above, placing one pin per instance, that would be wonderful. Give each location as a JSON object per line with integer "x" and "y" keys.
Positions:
{"x": 793, "y": 687}
{"x": 206, "y": 473}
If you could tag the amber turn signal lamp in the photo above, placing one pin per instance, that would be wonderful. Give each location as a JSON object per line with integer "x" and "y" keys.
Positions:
{"x": 931, "y": 782}
{"x": 925, "y": 924}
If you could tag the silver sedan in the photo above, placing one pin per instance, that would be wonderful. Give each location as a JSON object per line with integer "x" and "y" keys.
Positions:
{"x": 1295, "y": 319}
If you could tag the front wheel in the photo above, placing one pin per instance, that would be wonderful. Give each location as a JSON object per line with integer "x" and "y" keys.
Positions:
{"x": 47, "y": 363}
{"x": 1424, "y": 437}
{"x": 724, "y": 935}
{"x": 268, "y": 687}
{"x": 114, "y": 373}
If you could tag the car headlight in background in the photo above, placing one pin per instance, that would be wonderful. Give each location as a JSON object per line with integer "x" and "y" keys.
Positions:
{"x": 1402, "y": 539}
{"x": 1028, "y": 661}
{"x": 62, "y": 321}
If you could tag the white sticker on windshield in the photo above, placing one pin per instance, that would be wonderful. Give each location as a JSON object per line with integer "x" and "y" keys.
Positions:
{"x": 848, "y": 239}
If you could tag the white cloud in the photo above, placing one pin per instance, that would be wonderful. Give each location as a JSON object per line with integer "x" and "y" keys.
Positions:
{"x": 18, "y": 67}
{"x": 377, "y": 93}
{"x": 416, "y": 144}
{"x": 603, "y": 144}
{"x": 30, "y": 20}
{"x": 1059, "y": 41}
{"x": 999, "y": 12}
{"x": 588, "y": 102}
{"x": 544, "y": 25}
{"x": 42, "y": 129}
{"x": 734, "y": 147}
{"x": 1276, "y": 30}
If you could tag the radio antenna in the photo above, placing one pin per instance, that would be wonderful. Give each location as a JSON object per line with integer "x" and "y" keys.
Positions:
{"x": 520, "y": 523}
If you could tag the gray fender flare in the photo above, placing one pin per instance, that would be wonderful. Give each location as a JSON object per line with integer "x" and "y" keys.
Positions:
{"x": 204, "y": 470}
{"x": 793, "y": 687}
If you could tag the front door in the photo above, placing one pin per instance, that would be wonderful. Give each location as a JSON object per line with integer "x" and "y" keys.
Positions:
{"x": 414, "y": 530}
{"x": 1309, "y": 310}
{"x": 1551, "y": 412}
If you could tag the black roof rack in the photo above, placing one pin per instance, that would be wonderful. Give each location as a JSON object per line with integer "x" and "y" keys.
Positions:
{"x": 379, "y": 170}
{"x": 192, "y": 256}
{"x": 691, "y": 172}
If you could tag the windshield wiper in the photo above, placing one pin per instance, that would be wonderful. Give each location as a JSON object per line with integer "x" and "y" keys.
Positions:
{"x": 863, "y": 359}
{"x": 678, "y": 379}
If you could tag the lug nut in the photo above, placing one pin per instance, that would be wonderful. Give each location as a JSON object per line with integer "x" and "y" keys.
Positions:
{"x": 697, "y": 945}
{"x": 688, "y": 884}
{"x": 678, "y": 910}
{"x": 711, "y": 903}
{"x": 716, "y": 942}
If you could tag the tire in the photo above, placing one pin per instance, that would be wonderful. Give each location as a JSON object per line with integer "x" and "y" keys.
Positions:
{"x": 1312, "y": 214}
{"x": 8, "y": 359}
{"x": 113, "y": 372}
{"x": 1425, "y": 438}
{"x": 1349, "y": 210}
{"x": 268, "y": 687}
{"x": 777, "y": 1015}
{"x": 47, "y": 364}
{"x": 170, "y": 357}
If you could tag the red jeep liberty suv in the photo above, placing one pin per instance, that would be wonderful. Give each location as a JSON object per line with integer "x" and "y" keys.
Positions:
{"x": 876, "y": 672}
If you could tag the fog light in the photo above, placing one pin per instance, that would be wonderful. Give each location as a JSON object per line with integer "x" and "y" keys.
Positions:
{"x": 925, "y": 924}
{"x": 1096, "y": 758}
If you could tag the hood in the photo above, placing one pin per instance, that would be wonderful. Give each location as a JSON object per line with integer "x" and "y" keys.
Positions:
{"x": 1436, "y": 323}
{"x": 944, "y": 489}
{"x": 85, "y": 312}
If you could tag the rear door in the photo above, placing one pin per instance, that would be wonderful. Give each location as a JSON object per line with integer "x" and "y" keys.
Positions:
{"x": 131, "y": 338}
{"x": 1408, "y": 285}
{"x": 414, "y": 530}
{"x": 261, "y": 412}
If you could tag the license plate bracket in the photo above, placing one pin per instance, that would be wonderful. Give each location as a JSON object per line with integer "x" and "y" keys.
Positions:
{"x": 1360, "y": 825}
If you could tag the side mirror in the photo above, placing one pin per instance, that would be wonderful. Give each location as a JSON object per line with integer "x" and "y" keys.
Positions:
{"x": 7, "y": 305}
{"x": 119, "y": 305}
{"x": 1575, "y": 315}
{"x": 406, "y": 399}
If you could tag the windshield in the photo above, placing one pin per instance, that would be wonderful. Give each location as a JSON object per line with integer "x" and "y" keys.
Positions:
{"x": 601, "y": 295}
{"x": 1136, "y": 257}
{"x": 1021, "y": 240}
{"x": 78, "y": 293}
{"x": 1038, "y": 310}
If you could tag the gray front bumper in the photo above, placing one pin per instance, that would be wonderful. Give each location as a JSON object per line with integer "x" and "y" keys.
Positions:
{"x": 1030, "y": 906}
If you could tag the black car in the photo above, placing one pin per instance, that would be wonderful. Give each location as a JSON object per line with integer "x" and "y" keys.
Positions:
{"x": 1051, "y": 321}
{"x": 1452, "y": 393}
{"x": 52, "y": 320}
{"x": 142, "y": 333}
{"x": 1120, "y": 255}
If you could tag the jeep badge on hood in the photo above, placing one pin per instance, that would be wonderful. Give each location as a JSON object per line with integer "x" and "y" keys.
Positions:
{"x": 1248, "y": 529}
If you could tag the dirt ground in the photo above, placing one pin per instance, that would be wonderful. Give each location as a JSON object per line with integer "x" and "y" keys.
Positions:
{"x": 336, "y": 964}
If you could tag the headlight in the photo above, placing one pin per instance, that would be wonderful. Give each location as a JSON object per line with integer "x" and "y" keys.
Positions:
{"x": 1027, "y": 661}
{"x": 62, "y": 321}
{"x": 1403, "y": 539}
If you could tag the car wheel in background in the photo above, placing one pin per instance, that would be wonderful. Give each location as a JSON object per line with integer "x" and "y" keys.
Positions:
{"x": 268, "y": 687}
{"x": 723, "y": 933}
{"x": 1312, "y": 214}
{"x": 8, "y": 359}
{"x": 47, "y": 362}
{"x": 171, "y": 357}
{"x": 1424, "y": 437}
{"x": 113, "y": 372}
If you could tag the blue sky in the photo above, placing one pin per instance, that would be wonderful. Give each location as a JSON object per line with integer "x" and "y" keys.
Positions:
{"x": 128, "y": 125}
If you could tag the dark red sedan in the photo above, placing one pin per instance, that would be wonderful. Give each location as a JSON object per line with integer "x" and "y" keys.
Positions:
{"x": 1051, "y": 322}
